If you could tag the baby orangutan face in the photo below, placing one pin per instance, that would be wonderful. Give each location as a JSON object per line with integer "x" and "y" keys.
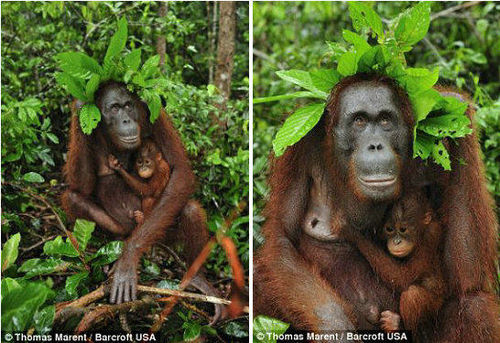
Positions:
{"x": 400, "y": 239}
{"x": 147, "y": 160}
{"x": 404, "y": 231}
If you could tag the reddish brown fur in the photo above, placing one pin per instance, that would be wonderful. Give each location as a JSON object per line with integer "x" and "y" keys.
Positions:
{"x": 419, "y": 277}
{"x": 150, "y": 189}
{"x": 289, "y": 286}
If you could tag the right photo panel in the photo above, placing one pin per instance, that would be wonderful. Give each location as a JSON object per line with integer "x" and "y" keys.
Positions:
{"x": 376, "y": 144}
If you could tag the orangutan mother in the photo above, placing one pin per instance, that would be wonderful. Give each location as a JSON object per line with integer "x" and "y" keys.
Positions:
{"x": 346, "y": 173}
{"x": 98, "y": 193}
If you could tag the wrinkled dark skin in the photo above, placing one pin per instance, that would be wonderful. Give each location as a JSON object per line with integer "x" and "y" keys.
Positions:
{"x": 98, "y": 193}
{"x": 371, "y": 139}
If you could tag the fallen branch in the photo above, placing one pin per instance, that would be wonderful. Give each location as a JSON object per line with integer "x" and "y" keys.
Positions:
{"x": 102, "y": 291}
{"x": 104, "y": 311}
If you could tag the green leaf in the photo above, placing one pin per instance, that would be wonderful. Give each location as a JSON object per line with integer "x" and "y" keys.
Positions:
{"x": 375, "y": 58}
{"x": 363, "y": 16}
{"x": 82, "y": 232}
{"x": 78, "y": 64}
{"x": 138, "y": 79}
{"x": 133, "y": 59}
{"x": 418, "y": 79}
{"x": 347, "y": 64}
{"x": 413, "y": 24}
{"x": 10, "y": 251}
{"x": 37, "y": 266}
{"x": 168, "y": 284}
{"x": 118, "y": 40}
{"x": 107, "y": 254}
{"x": 446, "y": 126}
{"x": 150, "y": 67}
{"x": 337, "y": 49}
{"x": 89, "y": 116}
{"x": 59, "y": 247}
{"x": 73, "y": 85}
{"x": 360, "y": 44}
{"x": 9, "y": 285}
{"x": 43, "y": 319}
{"x": 53, "y": 138}
{"x": 154, "y": 105}
{"x": 422, "y": 145}
{"x": 236, "y": 329}
{"x": 288, "y": 96}
{"x": 211, "y": 90}
{"x": 265, "y": 328}
{"x": 424, "y": 102}
{"x": 441, "y": 155}
{"x": 324, "y": 79}
{"x": 73, "y": 281}
{"x": 19, "y": 306}
{"x": 301, "y": 78}
{"x": 297, "y": 126}
{"x": 33, "y": 177}
{"x": 92, "y": 86}
{"x": 192, "y": 331}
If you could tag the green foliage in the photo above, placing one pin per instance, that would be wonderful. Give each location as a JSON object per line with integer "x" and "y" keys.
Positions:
{"x": 266, "y": 328}
{"x": 81, "y": 76}
{"x": 10, "y": 251}
{"x": 433, "y": 111}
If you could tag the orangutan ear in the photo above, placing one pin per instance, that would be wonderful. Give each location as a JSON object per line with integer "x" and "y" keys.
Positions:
{"x": 427, "y": 218}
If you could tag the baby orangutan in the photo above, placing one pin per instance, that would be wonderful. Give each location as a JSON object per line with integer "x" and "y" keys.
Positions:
{"x": 153, "y": 172}
{"x": 412, "y": 238}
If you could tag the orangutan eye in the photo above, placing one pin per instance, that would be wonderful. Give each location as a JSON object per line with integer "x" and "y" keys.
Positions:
{"x": 359, "y": 120}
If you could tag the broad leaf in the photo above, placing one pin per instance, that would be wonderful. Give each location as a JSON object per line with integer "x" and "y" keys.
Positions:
{"x": 43, "y": 319}
{"x": 424, "y": 102}
{"x": 92, "y": 86}
{"x": 59, "y": 247}
{"x": 150, "y": 66}
{"x": 37, "y": 266}
{"x": 20, "y": 305}
{"x": 413, "y": 24}
{"x": 419, "y": 79}
{"x": 347, "y": 64}
{"x": 118, "y": 40}
{"x": 360, "y": 43}
{"x": 82, "y": 232}
{"x": 89, "y": 116}
{"x": 33, "y": 177}
{"x": 73, "y": 281}
{"x": 107, "y": 254}
{"x": 133, "y": 59}
{"x": 73, "y": 85}
{"x": 154, "y": 105}
{"x": 363, "y": 16}
{"x": 10, "y": 251}
{"x": 324, "y": 79}
{"x": 441, "y": 155}
{"x": 265, "y": 328}
{"x": 446, "y": 126}
{"x": 297, "y": 126}
{"x": 295, "y": 95}
{"x": 301, "y": 78}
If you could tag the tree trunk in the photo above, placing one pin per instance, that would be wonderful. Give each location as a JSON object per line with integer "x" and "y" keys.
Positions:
{"x": 212, "y": 34}
{"x": 161, "y": 45}
{"x": 225, "y": 49}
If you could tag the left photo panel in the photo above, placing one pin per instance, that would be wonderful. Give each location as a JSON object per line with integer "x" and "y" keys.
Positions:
{"x": 125, "y": 171}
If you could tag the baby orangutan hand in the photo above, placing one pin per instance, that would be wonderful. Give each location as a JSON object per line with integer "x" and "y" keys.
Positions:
{"x": 114, "y": 163}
